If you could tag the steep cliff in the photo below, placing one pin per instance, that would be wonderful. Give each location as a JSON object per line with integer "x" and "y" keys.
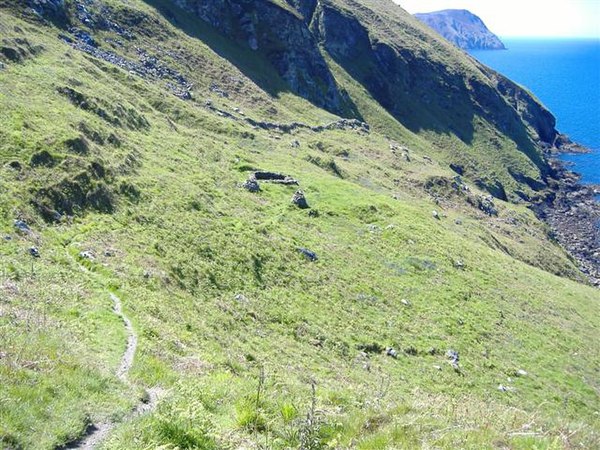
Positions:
{"x": 463, "y": 28}
{"x": 426, "y": 84}
{"x": 283, "y": 36}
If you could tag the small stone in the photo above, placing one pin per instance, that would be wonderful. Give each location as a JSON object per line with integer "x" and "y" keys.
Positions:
{"x": 406, "y": 302}
{"x": 241, "y": 298}
{"x": 459, "y": 264}
{"x": 437, "y": 367}
{"x": 373, "y": 228}
{"x": 521, "y": 373}
{"x": 109, "y": 253}
{"x": 294, "y": 144}
{"x": 389, "y": 351}
{"x": 299, "y": 200}
{"x": 86, "y": 255}
{"x": 458, "y": 222}
{"x": 503, "y": 388}
{"x": 8, "y": 237}
{"x": 251, "y": 185}
{"x": 454, "y": 357}
{"x": 33, "y": 251}
{"x": 22, "y": 226}
{"x": 310, "y": 255}
{"x": 436, "y": 215}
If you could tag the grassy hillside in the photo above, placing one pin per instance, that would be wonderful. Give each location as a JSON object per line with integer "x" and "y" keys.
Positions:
{"x": 128, "y": 189}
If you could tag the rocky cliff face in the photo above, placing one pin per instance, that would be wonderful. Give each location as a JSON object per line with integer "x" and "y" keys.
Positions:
{"x": 462, "y": 28}
{"x": 423, "y": 92}
{"x": 282, "y": 36}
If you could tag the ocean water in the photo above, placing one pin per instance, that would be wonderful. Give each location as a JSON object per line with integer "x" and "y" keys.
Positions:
{"x": 564, "y": 74}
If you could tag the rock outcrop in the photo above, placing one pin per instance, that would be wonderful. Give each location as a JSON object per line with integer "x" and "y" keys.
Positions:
{"x": 282, "y": 36}
{"x": 462, "y": 28}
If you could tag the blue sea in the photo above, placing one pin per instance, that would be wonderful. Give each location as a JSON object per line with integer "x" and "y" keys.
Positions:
{"x": 565, "y": 75}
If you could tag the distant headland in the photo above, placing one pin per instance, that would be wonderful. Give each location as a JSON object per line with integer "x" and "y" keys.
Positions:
{"x": 462, "y": 28}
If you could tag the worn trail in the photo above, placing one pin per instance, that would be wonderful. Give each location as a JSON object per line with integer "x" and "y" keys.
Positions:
{"x": 96, "y": 433}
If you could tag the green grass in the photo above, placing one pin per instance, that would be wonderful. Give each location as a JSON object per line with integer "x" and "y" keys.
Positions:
{"x": 218, "y": 293}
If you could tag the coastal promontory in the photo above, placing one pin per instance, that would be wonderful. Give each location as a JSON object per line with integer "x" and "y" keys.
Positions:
{"x": 462, "y": 28}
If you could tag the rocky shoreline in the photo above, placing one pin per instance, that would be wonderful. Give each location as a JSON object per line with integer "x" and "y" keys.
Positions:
{"x": 573, "y": 213}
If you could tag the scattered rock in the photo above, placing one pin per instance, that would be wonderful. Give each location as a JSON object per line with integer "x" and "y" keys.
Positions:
{"x": 521, "y": 373}
{"x": 147, "y": 66}
{"x": 86, "y": 255}
{"x": 22, "y": 226}
{"x": 33, "y": 251}
{"x": 374, "y": 228}
{"x": 342, "y": 124}
{"x": 406, "y": 303}
{"x": 294, "y": 144}
{"x": 274, "y": 177}
{"x": 109, "y": 253}
{"x": 454, "y": 357}
{"x": 8, "y": 238}
{"x": 459, "y": 264}
{"x": 459, "y": 185}
{"x": 486, "y": 204}
{"x": 389, "y": 351}
{"x": 458, "y": 168}
{"x": 241, "y": 298}
{"x": 251, "y": 185}
{"x": 437, "y": 367}
{"x": 310, "y": 255}
{"x": 436, "y": 215}
{"x": 367, "y": 298}
{"x": 299, "y": 200}
{"x": 573, "y": 213}
{"x": 503, "y": 388}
